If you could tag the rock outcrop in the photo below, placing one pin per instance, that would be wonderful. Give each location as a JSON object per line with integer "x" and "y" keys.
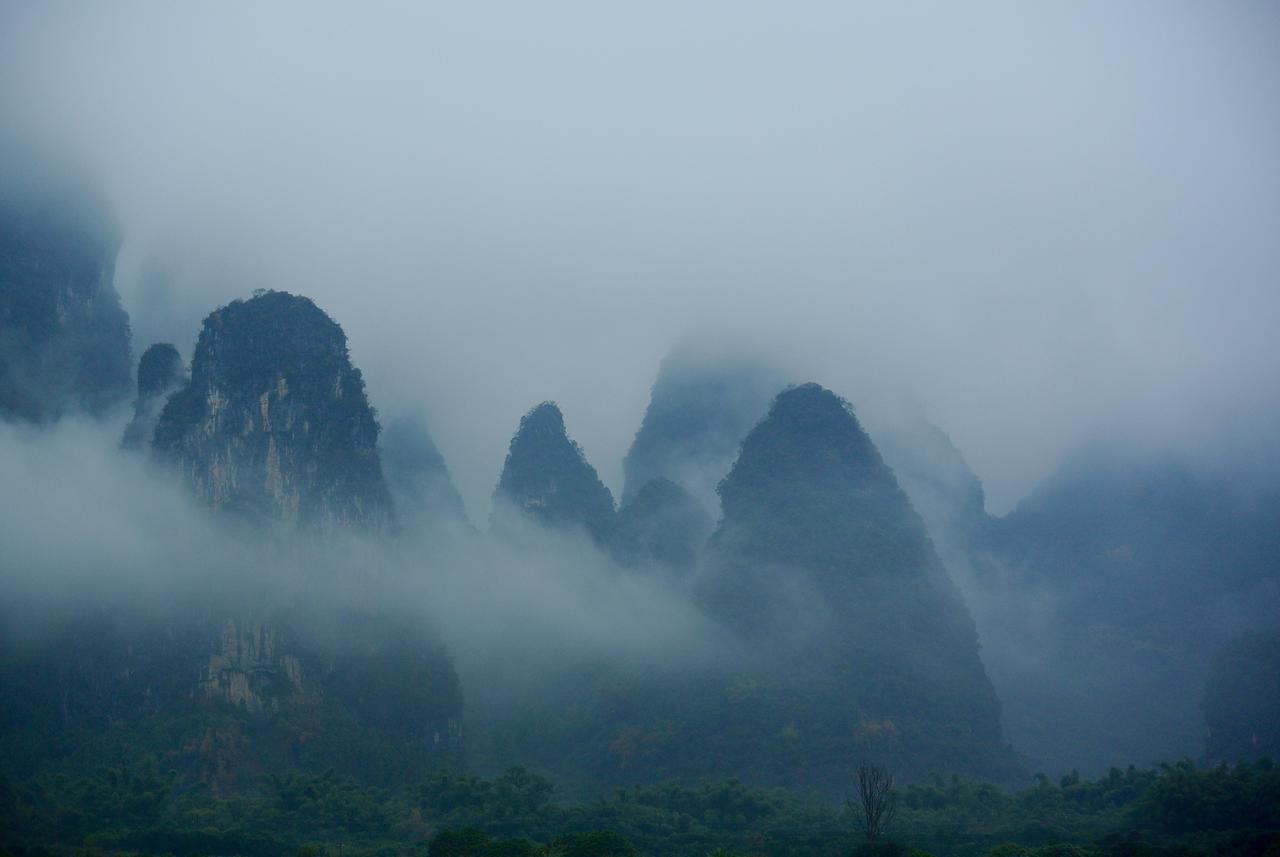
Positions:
{"x": 64, "y": 338}
{"x": 160, "y": 374}
{"x": 547, "y": 478}
{"x": 275, "y": 424}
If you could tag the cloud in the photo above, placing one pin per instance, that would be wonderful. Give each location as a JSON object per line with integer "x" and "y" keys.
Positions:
{"x": 1042, "y": 224}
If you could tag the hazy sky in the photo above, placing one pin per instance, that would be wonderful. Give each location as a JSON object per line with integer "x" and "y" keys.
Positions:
{"x": 1039, "y": 221}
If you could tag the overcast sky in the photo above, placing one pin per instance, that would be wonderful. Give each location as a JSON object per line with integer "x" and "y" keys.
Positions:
{"x": 1040, "y": 222}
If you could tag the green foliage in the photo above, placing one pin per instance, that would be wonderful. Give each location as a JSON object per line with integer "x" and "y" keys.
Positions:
{"x": 1174, "y": 811}
{"x": 1185, "y": 798}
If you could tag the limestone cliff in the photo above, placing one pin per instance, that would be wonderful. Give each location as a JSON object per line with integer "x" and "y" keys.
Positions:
{"x": 250, "y": 667}
{"x": 275, "y": 424}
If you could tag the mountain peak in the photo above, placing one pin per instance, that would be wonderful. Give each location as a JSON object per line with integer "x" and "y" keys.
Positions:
{"x": 811, "y": 438}
{"x": 275, "y": 422}
{"x": 548, "y": 478}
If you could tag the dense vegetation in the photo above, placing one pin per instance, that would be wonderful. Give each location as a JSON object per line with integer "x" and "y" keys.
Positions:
{"x": 1177, "y": 809}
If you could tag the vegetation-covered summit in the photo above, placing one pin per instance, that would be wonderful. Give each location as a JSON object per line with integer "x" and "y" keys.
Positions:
{"x": 547, "y": 477}
{"x": 275, "y": 423}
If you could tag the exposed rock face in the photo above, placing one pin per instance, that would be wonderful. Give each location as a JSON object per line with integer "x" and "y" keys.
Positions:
{"x": 160, "y": 373}
{"x": 662, "y": 524}
{"x": 821, "y": 562}
{"x": 275, "y": 424}
{"x": 547, "y": 477}
{"x": 250, "y": 668}
{"x": 64, "y": 338}
{"x": 417, "y": 475}
{"x": 703, "y": 403}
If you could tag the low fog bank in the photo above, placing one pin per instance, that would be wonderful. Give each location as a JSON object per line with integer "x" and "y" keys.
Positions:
{"x": 92, "y": 528}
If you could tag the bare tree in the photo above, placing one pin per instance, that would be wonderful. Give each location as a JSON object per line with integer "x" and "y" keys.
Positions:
{"x": 877, "y": 801}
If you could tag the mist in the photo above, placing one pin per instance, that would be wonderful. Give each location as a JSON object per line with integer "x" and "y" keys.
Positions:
{"x": 1042, "y": 225}
{"x": 90, "y": 528}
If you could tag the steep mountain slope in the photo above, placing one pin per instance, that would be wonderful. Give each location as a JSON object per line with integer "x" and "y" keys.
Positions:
{"x": 64, "y": 338}
{"x": 275, "y": 424}
{"x": 547, "y": 478}
{"x": 821, "y": 561}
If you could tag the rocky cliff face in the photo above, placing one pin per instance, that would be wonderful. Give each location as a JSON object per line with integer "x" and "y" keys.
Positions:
{"x": 64, "y": 338}
{"x": 160, "y": 373}
{"x": 547, "y": 478}
{"x": 252, "y": 668}
{"x": 275, "y": 424}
